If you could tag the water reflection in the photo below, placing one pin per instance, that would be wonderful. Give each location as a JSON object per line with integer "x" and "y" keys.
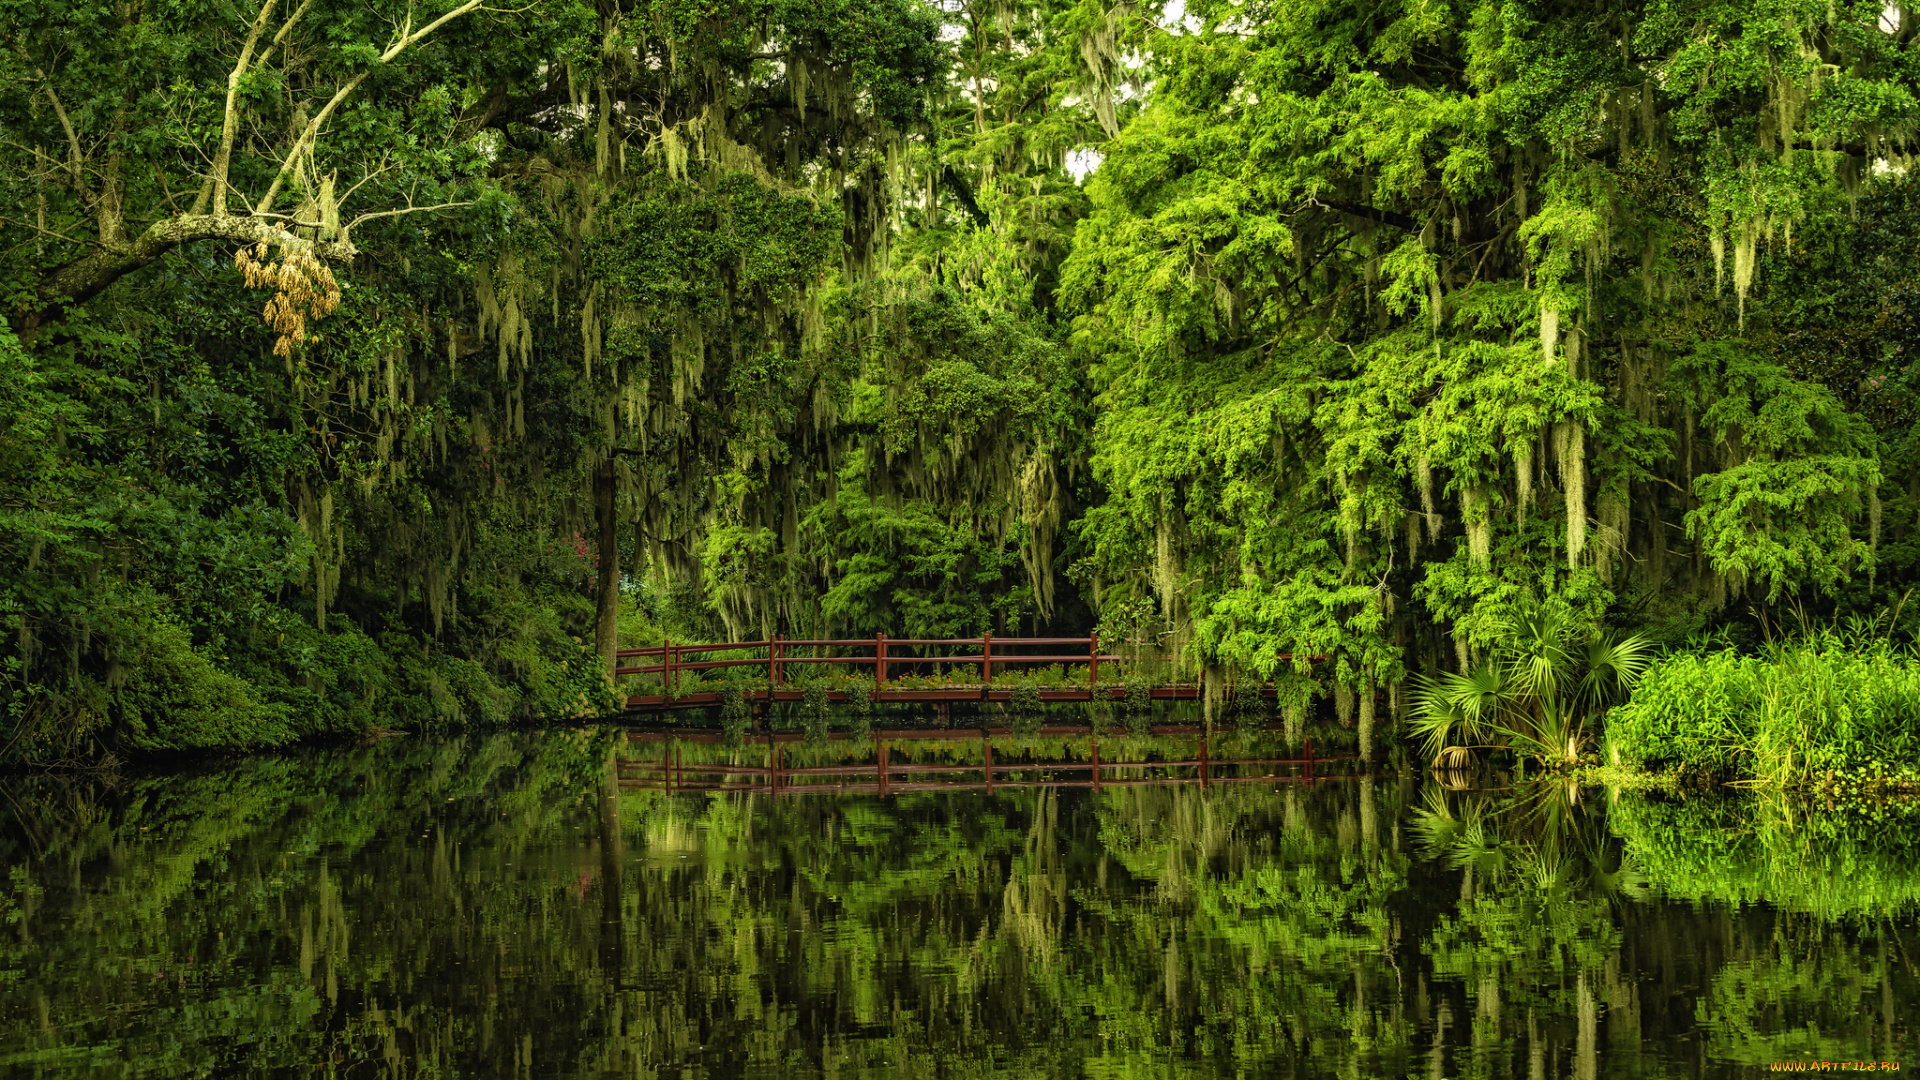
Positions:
{"x": 502, "y": 906}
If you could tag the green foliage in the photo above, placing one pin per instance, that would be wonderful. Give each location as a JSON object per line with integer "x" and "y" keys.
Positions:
{"x": 860, "y": 709}
{"x": 1026, "y": 707}
{"x": 808, "y": 318}
{"x": 1375, "y": 351}
{"x": 736, "y": 716}
{"x": 1136, "y": 707}
{"x": 1853, "y": 863}
{"x": 177, "y": 698}
{"x": 1803, "y": 709}
{"x": 1247, "y": 706}
{"x": 815, "y": 711}
{"x": 1537, "y": 690}
{"x": 1100, "y": 713}
{"x": 1802, "y": 470}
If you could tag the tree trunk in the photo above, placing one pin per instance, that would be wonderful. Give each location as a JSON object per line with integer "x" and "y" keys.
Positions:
{"x": 606, "y": 618}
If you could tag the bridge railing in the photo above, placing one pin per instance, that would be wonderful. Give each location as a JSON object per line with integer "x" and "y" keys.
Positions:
{"x": 673, "y": 660}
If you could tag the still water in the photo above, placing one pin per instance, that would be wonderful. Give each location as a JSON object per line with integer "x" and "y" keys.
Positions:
{"x": 503, "y": 906}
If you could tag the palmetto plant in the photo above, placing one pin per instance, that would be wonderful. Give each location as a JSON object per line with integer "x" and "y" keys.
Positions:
{"x": 1538, "y": 691}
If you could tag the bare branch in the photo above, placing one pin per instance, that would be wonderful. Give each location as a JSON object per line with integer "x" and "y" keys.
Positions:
{"x": 304, "y": 144}
{"x": 287, "y": 28}
{"x": 75, "y": 158}
{"x": 213, "y": 194}
{"x": 382, "y": 170}
{"x": 44, "y": 231}
{"x": 403, "y": 210}
{"x": 405, "y": 42}
{"x": 166, "y": 189}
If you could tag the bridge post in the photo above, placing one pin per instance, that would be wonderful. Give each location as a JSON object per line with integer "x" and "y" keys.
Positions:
{"x": 776, "y": 671}
{"x": 879, "y": 660}
{"x": 1093, "y": 664}
{"x": 666, "y": 658}
{"x": 986, "y": 659}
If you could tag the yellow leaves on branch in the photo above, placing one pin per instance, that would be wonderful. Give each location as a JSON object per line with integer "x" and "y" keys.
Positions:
{"x": 304, "y": 290}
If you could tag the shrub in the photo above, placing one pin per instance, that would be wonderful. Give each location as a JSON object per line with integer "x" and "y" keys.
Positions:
{"x": 176, "y": 698}
{"x": 1100, "y": 711}
{"x": 1026, "y": 706}
{"x": 1543, "y": 683}
{"x": 735, "y": 716}
{"x": 1248, "y": 707}
{"x": 1805, "y": 708}
{"x": 815, "y": 711}
{"x": 860, "y": 704}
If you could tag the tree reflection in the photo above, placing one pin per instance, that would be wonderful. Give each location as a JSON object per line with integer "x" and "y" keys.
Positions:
{"x": 503, "y": 905}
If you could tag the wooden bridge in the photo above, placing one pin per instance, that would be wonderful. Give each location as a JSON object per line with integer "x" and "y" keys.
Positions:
{"x": 780, "y": 658}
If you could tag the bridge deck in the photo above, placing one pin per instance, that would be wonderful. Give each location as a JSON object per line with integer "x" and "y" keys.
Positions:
{"x": 657, "y": 702}
{"x": 883, "y": 656}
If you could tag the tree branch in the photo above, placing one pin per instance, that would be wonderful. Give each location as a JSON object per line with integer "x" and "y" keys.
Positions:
{"x": 1371, "y": 213}
{"x": 304, "y": 144}
{"x": 214, "y": 192}
{"x": 403, "y": 210}
{"x": 85, "y": 277}
{"x": 287, "y": 27}
{"x": 75, "y": 158}
{"x": 50, "y": 232}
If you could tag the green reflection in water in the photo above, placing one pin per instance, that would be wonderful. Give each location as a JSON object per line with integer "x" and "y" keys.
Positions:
{"x": 502, "y": 907}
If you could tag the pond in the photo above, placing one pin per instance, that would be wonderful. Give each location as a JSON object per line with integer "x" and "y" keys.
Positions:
{"x": 507, "y": 906}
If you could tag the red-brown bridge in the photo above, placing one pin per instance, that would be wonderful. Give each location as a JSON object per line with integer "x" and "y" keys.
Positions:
{"x": 781, "y": 657}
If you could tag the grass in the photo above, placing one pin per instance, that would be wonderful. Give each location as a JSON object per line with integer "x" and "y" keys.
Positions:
{"x": 1806, "y": 711}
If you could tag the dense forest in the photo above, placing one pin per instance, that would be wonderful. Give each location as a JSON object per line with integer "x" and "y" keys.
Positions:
{"x": 381, "y": 364}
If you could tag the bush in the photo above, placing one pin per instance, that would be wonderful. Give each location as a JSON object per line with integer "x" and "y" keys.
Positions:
{"x": 815, "y": 711}
{"x": 176, "y": 698}
{"x": 1803, "y": 709}
{"x": 1137, "y": 706}
{"x": 1028, "y": 710}
{"x": 735, "y": 716}
{"x": 1248, "y": 707}
{"x": 860, "y": 703}
{"x": 1100, "y": 711}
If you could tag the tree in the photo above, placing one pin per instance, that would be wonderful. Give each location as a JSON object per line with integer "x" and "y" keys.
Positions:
{"x": 124, "y": 119}
{"x": 1401, "y": 313}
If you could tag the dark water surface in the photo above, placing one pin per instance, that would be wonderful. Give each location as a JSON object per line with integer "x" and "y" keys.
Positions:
{"x": 501, "y": 906}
